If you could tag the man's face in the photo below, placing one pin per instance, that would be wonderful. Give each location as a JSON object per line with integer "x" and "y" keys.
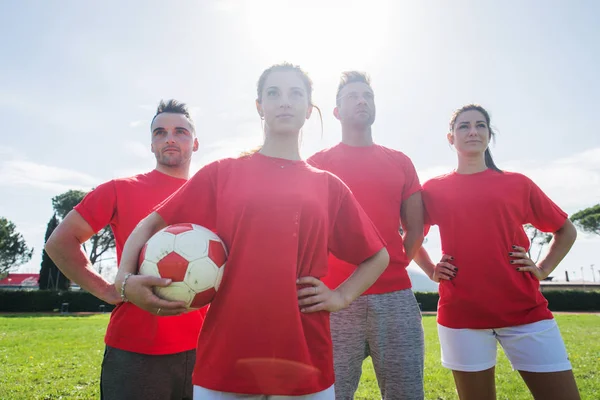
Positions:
{"x": 173, "y": 139}
{"x": 356, "y": 105}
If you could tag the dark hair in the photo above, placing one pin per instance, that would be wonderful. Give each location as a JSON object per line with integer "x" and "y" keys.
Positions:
{"x": 351, "y": 77}
{"x": 175, "y": 107}
{"x": 489, "y": 161}
{"x": 285, "y": 66}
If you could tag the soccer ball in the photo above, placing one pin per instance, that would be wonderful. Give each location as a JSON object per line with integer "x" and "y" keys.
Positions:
{"x": 192, "y": 256}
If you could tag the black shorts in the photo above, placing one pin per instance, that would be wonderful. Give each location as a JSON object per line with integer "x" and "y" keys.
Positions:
{"x": 131, "y": 376}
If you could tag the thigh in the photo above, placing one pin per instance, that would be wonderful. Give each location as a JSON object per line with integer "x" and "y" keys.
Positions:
{"x": 128, "y": 375}
{"x": 535, "y": 347}
{"x": 396, "y": 343}
{"x": 551, "y": 385}
{"x": 467, "y": 350}
{"x": 478, "y": 385}
{"x": 348, "y": 334}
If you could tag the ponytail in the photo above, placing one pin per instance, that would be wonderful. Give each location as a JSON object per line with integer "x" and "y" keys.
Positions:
{"x": 489, "y": 161}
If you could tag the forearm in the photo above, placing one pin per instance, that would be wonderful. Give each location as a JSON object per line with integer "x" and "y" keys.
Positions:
{"x": 413, "y": 239}
{"x": 559, "y": 247}
{"x": 424, "y": 261}
{"x": 68, "y": 255}
{"x": 364, "y": 276}
{"x": 136, "y": 240}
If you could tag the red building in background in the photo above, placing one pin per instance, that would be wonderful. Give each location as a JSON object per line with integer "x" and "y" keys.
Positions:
{"x": 20, "y": 281}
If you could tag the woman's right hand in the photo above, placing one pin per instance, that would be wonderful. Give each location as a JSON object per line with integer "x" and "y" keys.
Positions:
{"x": 139, "y": 291}
{"x": 444, "y": 270}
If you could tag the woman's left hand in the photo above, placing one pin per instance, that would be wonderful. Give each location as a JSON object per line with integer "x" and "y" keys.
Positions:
{"x": 318, "y": 297}
{"x": 526, "y": 264}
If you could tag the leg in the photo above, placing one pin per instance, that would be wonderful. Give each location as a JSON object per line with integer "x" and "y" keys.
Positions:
{"x": 538, "y": 352}
{"x": 478, "y": 385}
{"x": 348, "y": 328}
{"x": 471, "y": 355}
{"x": 127, "y": 375}
{"x": 551, "y": 385}
{"x": 395, "y": 339}
{"x": 189, "y": 362}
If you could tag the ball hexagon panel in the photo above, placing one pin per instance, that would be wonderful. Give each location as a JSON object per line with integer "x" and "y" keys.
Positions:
{"x": 149, "y": 268}
{"x": 201, "y": 275}
{"x": 190, "y": 245}
{"x": 159, "y": 245}
{"x": 177, "y": 291}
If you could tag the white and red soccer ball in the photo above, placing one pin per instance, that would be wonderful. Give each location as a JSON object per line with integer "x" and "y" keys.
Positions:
{"x": 192, "y": 256}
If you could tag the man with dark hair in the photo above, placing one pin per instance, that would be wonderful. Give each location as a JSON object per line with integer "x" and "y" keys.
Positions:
{"x": 385, "y": 322}
{"x": 147, "y": 356}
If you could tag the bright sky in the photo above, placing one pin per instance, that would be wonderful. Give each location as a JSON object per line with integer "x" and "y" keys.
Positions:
{"x": 79, "y": 82}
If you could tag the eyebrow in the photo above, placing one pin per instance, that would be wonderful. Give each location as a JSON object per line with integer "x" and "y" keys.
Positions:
{"x": 160, "y": 128}
{"x": 477, "y": 122}
{"x": 293, "y": 87}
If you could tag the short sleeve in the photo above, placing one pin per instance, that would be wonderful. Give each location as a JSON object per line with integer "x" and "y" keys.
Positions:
{"x": 195, "y": 202}
{"x": 353, "y": 237}
{"x": 314, "y": 161}
{"x": 98, "y": 207}
{"x": 411, "y": 183}
{"x": 543, "y": 213}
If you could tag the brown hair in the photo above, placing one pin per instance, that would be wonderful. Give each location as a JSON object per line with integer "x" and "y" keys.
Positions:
{"x": 351, "y": 77}
{"x": 489, "y": 161}
{"x": 285, "y": 66}
{"x": 175, "y": 107}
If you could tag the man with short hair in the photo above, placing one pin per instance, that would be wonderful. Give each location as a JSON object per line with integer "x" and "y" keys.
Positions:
{"x": 147, "y": 356}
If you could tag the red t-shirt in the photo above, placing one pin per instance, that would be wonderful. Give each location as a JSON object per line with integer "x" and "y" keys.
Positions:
{"x": 480, "y": 217}
{"x": 278, "y": 219}
{"x": 380, "y": 179}
{"x": 123, "y": 203}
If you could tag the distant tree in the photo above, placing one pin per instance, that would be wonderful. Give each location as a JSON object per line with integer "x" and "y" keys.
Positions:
{"x": 51, "y": 277}
{"x": 98, "y": 244}
{"x": 588, "y": 220}
{"x": 13, "y": 249}
{"x": 538, "y": 239}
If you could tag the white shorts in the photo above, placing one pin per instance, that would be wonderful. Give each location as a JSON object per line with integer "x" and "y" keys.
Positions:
{"x": 201, "y": 393}
{"x": 535, "y": 347}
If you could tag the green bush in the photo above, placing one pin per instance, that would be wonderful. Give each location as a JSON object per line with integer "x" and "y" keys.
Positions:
{"x": 566, "y": 300}
{"x": 48, "y": 300}
{"x": 573, "y": 300}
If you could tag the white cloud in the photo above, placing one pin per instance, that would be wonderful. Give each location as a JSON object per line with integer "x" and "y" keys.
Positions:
{"x": 572, "y": 182}
{"x": 135, "y": 124}
{"x": 22, "y": 173}
{"x": 138, "y": 149}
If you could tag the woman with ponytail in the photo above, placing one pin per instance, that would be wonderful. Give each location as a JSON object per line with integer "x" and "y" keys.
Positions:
{"x": 266, "y": 332}
{"x": 489, "y": 287}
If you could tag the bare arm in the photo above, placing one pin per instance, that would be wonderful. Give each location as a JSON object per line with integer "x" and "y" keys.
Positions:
{"x": 435, "y": 272}
{"x": 318, "y": 297}
{"x": 411, "y": 214}
{"x": 138, "y": 288}
{"x": 64, "y": 248}
{"x": 559, "y": 247}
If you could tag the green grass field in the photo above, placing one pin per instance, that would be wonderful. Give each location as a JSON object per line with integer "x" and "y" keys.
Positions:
{"x": 58, "y": 357}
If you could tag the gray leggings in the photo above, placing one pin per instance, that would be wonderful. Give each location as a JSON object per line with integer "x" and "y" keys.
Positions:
{"x": 388, "y": 328}
{"x": 129, "y": 376}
